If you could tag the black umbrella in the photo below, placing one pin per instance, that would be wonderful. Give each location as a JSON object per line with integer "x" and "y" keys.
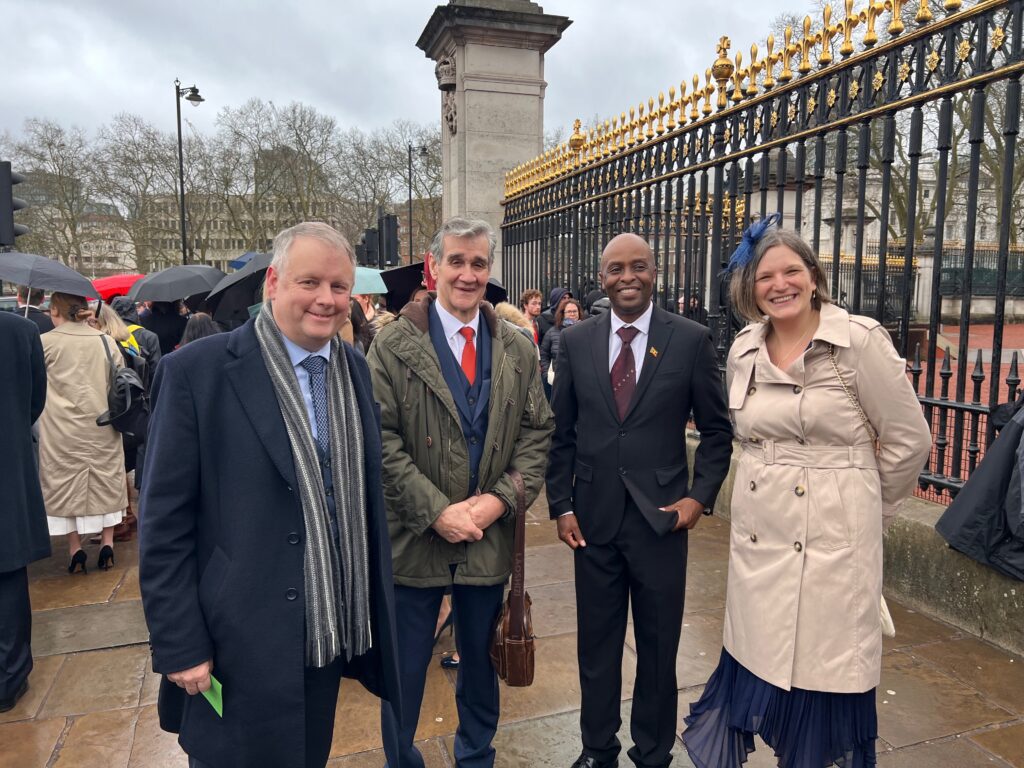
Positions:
{"x": 495, "y": 292}
{"x": 47, "y": 274}
{"x": 176, "y": 283}
{"x": 402, "y": 282}
{"x": 230, "y": 299}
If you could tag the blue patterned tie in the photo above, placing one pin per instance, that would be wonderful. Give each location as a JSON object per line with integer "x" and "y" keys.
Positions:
{"x": 317, "y": 366}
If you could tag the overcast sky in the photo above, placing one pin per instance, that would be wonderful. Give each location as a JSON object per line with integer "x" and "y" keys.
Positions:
{"x": 79, "y": 62}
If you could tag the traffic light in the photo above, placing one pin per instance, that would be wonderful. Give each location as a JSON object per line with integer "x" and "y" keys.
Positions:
{"x": 388, "y": 227}
{"x": 8, "y": 205}
{"x": 371, "y": 249}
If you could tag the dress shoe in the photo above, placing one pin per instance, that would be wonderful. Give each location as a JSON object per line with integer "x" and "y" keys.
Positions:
{"x": 77, "y": 561}
{"x": 106, "y": 558}
{"x": 6, "y": 705}
{"x": 589, "y": 761}
{"x": 449, "y": 662}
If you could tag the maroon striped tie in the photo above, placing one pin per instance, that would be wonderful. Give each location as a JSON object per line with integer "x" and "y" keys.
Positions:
{"x": 624, "y": 371}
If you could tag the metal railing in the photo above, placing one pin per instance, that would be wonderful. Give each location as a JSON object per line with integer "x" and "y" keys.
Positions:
{"x": 907, "y": 141}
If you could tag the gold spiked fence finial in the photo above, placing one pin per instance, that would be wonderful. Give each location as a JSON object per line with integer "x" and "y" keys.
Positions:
{"x": 896, "y": 24}
{"x": 738, "y": 75}
{"x": 709, "y": 91}
{"x": 828, "y": 31}
{"x": 789, "y": 49}
{"x": 869, "y": 15}
{"x": 807, "y": 45}
{"x": 852, "y": 20}
{"x": 769, "y": 63}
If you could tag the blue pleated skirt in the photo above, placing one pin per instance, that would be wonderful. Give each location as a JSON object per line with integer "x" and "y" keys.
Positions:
{"x": 806, "y": 729}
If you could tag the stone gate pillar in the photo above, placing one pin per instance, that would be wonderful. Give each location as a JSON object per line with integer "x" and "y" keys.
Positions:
{"x": 489, "y": 58}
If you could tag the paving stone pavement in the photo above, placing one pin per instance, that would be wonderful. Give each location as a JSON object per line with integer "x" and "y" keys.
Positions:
{"x": 946, "y": 698}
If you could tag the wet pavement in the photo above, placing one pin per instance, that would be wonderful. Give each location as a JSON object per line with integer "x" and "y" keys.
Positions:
{"x": 946, "y": 698}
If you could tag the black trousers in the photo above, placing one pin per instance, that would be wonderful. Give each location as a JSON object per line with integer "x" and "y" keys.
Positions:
{"x": 321, "y": 687}
{"x": 649, "y": 571}
{"x": 476, "y": 689}
{"x": 15, "y": 632}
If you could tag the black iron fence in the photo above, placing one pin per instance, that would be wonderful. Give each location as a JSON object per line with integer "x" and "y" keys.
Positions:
{"x": 906, "y": 142}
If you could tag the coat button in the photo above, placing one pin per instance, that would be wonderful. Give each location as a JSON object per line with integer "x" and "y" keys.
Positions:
{"x": 328, "y": 492}
{"x": 753, "y": 485}
{"x": 797, "y": 390}
{"x": 622, "y": 433}
{"x": 799, "y": 490}
{"x": 291, "y": 594}
{"x": 430, "y": 441}
{"x": 293, "y": 538}
{"x": 473, "y": 440}
{"x": 798, "y": 546}
{"x": 752, "y": 390}
{"x": 753, "y": 537}
{"x": 622, "y": 470}
{"x": 327, "y": 463}
{"x": 801, "y": 441}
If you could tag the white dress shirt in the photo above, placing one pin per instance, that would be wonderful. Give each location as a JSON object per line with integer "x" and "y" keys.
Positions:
{"x": 451, "y": 325}
{"x": 639, "y": 344}
{"x": 297, "y": 354}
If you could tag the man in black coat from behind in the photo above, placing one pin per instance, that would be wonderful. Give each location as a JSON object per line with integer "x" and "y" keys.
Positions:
{"x": 29, "y": 300}
{"x": 25, "y": 536}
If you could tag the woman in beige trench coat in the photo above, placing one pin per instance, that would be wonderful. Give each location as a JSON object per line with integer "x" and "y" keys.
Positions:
{"x": 81, "y": 465}
{"x": 802, "y": 641}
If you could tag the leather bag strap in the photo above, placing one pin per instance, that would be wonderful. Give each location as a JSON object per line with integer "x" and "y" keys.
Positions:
{"x": 517, "y": 593}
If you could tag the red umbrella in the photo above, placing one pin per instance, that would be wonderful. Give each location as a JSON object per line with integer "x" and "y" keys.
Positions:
{"x": 115, "y": 285}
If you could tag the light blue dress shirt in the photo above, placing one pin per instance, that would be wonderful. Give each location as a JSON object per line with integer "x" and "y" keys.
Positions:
{"x": 297, "y": 354}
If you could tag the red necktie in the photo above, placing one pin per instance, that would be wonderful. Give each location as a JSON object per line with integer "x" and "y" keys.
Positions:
{"x": 624, "y": 371}
{"x": 468, "y": 355}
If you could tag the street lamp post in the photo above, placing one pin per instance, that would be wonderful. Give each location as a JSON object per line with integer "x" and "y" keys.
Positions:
{"x": 422, "y": 150}
{"x": 191, "y": 94}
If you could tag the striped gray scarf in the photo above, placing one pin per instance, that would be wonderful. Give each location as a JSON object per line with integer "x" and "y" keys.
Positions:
{"x": 337, "y": 583}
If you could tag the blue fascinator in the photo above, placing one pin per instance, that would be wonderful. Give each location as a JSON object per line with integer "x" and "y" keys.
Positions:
{"x": 745, "y": 252}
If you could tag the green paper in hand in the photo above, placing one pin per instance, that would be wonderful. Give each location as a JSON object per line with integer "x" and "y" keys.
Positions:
{"x": 215, "y": 696}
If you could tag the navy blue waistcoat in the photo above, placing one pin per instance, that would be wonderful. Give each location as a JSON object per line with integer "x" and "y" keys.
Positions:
{"x": 471, "y": 401}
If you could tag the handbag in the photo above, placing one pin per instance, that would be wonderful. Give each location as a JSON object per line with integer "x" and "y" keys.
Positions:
{"x": 512, "y": 649}
{"x": 127, "y": 406}
{"x": 885, "y": 618}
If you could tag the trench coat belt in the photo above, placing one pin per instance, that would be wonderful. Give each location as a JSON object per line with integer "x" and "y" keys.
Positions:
{"x": 818, "y": 456}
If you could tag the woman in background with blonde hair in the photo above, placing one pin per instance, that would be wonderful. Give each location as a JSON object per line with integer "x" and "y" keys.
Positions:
{"x": 81, "y": 465}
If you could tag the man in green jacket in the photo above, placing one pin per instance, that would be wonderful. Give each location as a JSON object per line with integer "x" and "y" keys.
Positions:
{"x": 461, "y": 405}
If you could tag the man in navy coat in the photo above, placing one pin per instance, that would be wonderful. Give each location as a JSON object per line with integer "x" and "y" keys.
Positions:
{"x": 226, "y": 534}
{"x": 22, "y": 515}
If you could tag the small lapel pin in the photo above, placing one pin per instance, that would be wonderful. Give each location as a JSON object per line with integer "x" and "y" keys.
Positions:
{"x": 654, "y": 352}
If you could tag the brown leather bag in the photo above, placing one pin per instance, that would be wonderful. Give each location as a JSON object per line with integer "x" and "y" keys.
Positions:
{"x": 512, "y": 651}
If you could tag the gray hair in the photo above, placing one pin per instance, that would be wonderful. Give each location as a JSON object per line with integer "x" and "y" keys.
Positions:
{"x": 741, "y": 284}
{"x": 460, "y": 227}
{"x": 315, "y": 229}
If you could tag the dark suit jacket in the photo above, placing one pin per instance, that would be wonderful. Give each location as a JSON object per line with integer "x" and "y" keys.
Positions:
{"x": 221, "y": 553}
{"x": 42, "y": 319}
{"x": 597, "y": 460}
{"x": 25, "y": 536}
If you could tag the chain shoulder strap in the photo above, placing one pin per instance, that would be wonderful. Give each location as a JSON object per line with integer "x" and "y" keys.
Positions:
{"x": 853, "y": 400}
